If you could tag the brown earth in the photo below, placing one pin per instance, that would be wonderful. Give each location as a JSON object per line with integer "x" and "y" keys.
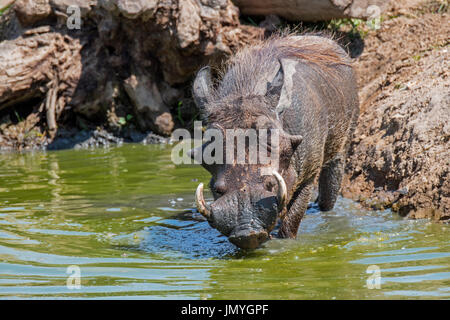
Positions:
{"x": 400, "y": 156}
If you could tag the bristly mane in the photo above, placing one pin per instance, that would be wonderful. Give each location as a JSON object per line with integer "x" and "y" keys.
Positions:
{"x": 241, "y": 73}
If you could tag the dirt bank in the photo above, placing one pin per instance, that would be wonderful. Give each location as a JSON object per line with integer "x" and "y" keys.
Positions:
{"x": 401, "y": 151}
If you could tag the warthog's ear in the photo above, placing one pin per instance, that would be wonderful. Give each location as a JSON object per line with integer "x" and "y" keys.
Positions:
{"x": 274, "y": 87}
{"x": 202, "y": 87}
{"x": 295, "y": 139}
{"x": 195, "y": 153}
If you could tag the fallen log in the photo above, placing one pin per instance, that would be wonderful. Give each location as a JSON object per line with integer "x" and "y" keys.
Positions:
{"x": 112, "y": 58}
{"x": 314, "y": 10}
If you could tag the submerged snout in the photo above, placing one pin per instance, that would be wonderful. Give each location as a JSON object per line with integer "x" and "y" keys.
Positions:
{"x": 246, "y": 215}
{"x": 248, "y": 239}
{"x": 246, "y": 221}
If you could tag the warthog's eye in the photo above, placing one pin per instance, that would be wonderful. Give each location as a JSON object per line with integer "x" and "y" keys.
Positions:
{"x": 220, "y": 188}
{"x": 266, "y": 143}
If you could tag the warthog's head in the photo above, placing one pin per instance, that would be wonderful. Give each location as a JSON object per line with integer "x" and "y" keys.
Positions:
{"x": 249, "y": 196}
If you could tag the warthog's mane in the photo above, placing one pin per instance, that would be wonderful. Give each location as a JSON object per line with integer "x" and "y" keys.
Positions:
{"x": 244, "y": 70}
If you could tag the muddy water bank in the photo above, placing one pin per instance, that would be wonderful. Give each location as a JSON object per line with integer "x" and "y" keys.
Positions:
{"x": 399, "y": 158}
{"x": 79, "y": 139}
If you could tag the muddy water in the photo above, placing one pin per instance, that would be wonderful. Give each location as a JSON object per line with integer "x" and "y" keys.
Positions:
{"x": 123, "y": 217}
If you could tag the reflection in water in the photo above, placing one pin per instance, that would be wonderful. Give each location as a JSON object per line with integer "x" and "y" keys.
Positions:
{"x": 124, "y": 215}
{"x": 183, "y": 236}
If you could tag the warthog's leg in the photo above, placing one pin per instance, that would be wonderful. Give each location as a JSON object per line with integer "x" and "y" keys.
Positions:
{"x": 296, "y": 209}
{"x": 330, "y": 182}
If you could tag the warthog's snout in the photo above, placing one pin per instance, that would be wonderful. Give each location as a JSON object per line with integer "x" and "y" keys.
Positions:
{"x": 248, "y": 239}
{"x": 246, "y": 215}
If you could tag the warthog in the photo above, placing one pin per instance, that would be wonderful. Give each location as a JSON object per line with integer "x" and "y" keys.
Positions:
{"x": 302, "y": 86}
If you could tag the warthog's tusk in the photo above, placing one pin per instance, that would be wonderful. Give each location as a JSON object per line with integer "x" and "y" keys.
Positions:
{"x": 282, "y": 190}
{"x": 200, "y": 202}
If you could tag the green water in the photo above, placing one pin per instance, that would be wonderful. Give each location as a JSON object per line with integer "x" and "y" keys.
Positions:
{"x": 125, "y": 217}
